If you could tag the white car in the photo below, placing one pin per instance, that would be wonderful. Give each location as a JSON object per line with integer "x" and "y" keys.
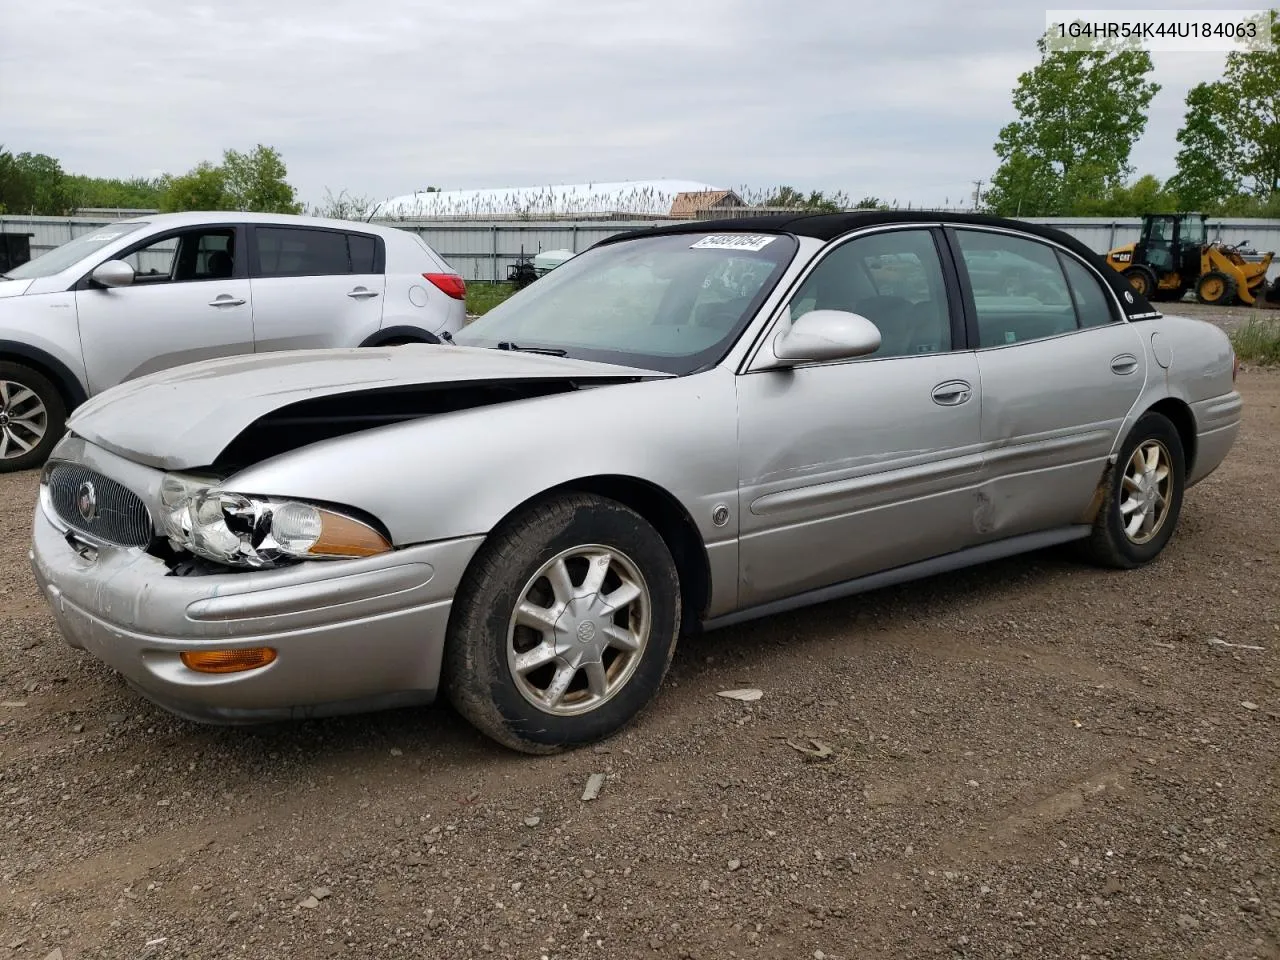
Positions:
{"x": 145, "y": 294}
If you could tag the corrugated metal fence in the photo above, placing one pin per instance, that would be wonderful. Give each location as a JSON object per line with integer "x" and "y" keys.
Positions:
{"x": 483, "y": 250}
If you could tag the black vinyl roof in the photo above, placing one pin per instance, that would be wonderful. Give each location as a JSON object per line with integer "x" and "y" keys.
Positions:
{"x": 829, "y": 226}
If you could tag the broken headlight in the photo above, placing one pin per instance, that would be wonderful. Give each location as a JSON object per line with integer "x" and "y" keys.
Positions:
{"x": 260, "y": 532}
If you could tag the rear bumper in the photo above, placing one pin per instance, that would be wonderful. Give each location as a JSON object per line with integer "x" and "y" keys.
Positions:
{"x": 349, "y": 636}
{"x": 1218, "y": 424}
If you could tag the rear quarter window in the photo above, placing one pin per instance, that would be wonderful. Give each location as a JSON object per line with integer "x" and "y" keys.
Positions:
{"x": 364, "y": 253}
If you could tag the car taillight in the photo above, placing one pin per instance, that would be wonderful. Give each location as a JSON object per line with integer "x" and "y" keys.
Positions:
{"x": 450, "y": 284}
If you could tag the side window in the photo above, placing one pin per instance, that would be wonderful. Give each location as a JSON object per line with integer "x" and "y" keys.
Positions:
{"x": 1093, "y": 306}
{"x": 894, "y": 279}
{"x": 205, "y": 253}
{"x": 364, "y": 253}
{"x": 1019, "y": 290}
{"x": 300, "y": 252}
{"x": 154, "y": 262}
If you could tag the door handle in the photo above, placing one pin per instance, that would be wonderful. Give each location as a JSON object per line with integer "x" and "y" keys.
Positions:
{"x": 361, "y": 293}
{"x": 952, "y": 393}
{"x": 226, "y": 300}
{"x": 1124, "y": 364}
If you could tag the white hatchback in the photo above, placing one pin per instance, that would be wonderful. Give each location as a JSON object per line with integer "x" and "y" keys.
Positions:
{"x": 145, "y": 294}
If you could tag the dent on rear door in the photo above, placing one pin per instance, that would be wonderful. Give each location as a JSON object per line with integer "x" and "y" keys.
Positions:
{"x": 1052, "y": 411}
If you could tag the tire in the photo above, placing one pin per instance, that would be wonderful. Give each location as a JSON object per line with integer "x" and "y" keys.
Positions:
{"x": 1142, "y": 279}
{"x": 481, "y": 673}
{"x": 1110, "y": 544}
{"x": 33, "y": 416}
{"x": 1216, "y": 288}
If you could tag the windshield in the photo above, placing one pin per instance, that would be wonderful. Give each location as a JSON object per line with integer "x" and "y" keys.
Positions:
{"x": 674, "y": 302}
{"x": 73, "y": 251}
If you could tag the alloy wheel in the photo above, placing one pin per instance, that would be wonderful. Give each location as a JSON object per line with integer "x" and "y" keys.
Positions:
{"x": 1145, "y": 491}
{"x": 23, "y": 420}
{"x": 579, "y": 630}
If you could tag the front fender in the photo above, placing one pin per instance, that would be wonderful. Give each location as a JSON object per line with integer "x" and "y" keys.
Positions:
{"x": 458, "y": 474}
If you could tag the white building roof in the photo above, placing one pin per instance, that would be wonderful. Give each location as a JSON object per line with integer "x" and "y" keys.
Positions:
{"x": 640, "y": 197}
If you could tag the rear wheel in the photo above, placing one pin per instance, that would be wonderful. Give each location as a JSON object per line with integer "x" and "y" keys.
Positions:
{"x": 32, "y": 417}
{"x": 564, "y": 626}
{"x": 1216, "y": 288}
{"x": 1143, "y": 497}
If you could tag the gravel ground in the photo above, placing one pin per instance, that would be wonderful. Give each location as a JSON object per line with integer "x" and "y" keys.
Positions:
{"x": 1032, "y": 759}
{"x": 1226, "y": 317}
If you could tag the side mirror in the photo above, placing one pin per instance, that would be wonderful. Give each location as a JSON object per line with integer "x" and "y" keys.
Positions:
{"x": 113, "y": 273}
{"x": 826, "y": 335}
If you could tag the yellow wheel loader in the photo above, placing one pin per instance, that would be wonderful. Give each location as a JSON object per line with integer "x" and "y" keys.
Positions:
{"x": 1174, "y": 255}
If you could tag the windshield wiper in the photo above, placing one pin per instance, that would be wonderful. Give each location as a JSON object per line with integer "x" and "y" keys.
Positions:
{"x": 549, "y": 351}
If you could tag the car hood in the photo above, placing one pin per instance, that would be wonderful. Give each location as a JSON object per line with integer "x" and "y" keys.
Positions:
{"x": 186, "y": 416}
{"x": 13, "y": 288}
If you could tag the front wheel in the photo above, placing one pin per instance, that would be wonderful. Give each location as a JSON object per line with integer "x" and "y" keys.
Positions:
{"x": 1217, "y": 289}
{"x": 1143, "y": 496}
{"x": 32, "y": 417}
{"x": 564, "y": 626}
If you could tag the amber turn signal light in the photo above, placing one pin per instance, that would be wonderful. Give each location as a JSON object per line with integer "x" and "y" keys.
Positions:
{"x": 228, "y": 661}
{"x": 343, "y": 537}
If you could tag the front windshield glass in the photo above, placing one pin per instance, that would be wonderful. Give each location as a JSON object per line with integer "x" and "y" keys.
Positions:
{"x": 73, "y": 251}
{"x": 673, "y": 302}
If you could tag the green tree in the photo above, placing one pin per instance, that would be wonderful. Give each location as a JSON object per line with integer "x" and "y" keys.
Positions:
{"x": 137, "y": 193}
{"x": 203, "y": 188}
{"x": 1208, "y": 164}
{"x": 871, "y": 203}
{"x": 1145, "y": 195}
{"x": 1025, "y": 184}
{"x": 256, "y": 181}
{"x": 33, "y": 183}
{"x": 253, "y": 181}
{"x": 1231, "y": 135}
{"x": 1079, "y": 115}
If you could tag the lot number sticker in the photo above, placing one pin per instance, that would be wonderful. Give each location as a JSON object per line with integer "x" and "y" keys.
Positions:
{"x": 733, "y": 241}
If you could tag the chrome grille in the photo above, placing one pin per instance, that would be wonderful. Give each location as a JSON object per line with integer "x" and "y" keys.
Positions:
{"x": 113, "y": 513}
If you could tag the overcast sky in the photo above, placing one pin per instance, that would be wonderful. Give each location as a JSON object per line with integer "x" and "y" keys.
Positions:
{"x": 895, "y": 99}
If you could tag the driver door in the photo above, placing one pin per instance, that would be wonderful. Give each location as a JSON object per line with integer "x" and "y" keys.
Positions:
{"x": 190, "y": 300}
{"x": 850, "y": 467}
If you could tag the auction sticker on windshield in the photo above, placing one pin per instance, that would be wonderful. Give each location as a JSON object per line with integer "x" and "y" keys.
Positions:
{"x": 733, "y": 241}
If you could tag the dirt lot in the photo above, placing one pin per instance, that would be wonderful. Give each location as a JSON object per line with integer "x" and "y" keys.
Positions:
{"x": 1229, "y": 318}
{"x": 1032, "y": 759}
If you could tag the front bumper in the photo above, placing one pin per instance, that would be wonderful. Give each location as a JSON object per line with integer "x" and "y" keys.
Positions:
{"x": 349, "y": 635}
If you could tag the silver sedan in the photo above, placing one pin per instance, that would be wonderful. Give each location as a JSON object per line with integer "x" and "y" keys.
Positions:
{"x": 680, "y": 429}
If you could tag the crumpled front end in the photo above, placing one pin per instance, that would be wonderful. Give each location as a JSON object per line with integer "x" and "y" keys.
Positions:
{"x": 343, "y": 636}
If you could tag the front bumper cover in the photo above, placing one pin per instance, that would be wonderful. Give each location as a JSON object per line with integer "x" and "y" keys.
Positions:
{"x": 350, "y": 635}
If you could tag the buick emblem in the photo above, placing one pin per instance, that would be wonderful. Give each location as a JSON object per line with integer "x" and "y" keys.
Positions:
{"x": 1128, "y": 296}
{"x": 87, "y": 501}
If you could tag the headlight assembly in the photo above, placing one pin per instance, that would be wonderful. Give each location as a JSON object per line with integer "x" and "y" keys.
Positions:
{"x": 260, "y": 532}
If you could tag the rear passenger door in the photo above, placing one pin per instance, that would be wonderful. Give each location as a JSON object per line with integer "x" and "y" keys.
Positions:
{"x": 1060, "y": 370}
{"x": 315, "y": 287}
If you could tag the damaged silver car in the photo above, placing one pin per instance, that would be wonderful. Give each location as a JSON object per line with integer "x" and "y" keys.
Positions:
{"x": 679, "y": 429}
